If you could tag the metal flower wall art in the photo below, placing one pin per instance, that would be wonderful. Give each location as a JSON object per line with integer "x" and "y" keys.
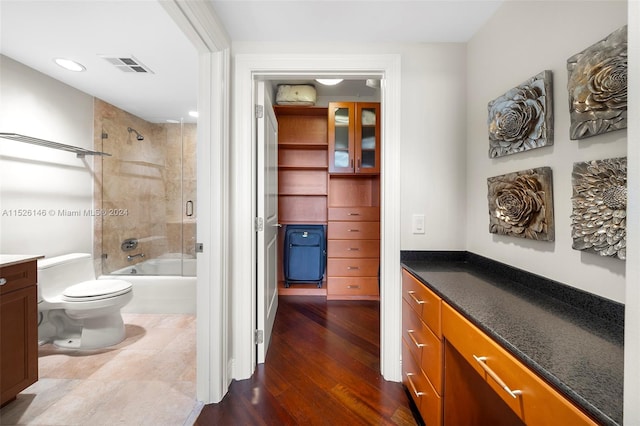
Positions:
{"x": 599, "y": 201}
{"x": 522, "y": 118}
{"x": 598, "y": 87}
{"x": 521, "y": 204}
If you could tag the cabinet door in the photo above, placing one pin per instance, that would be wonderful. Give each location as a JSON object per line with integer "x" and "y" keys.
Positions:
{"x": 341, "y": 137}
{"x": 19, "y": 341}
{"x": 367, "y": 138}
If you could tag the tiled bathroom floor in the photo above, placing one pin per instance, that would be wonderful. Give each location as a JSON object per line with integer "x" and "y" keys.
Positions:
{"x": 148, "y": 379}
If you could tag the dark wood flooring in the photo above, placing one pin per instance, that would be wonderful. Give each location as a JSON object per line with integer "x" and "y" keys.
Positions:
{"x": 322, "y": 368}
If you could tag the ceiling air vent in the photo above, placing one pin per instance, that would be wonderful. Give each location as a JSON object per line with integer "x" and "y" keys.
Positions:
{"x": 127, "y": 63}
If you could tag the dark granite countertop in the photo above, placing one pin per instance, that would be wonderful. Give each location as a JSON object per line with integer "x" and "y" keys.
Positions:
{"x": 571, "y": 338}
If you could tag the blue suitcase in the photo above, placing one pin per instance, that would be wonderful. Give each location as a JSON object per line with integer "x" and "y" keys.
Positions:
{"x": 305, "y": 253}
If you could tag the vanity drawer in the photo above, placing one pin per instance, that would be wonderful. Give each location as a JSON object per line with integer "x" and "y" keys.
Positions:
{"x": 352, "y": 286}
{"x": 425, "y": 397}
{"x": 531, "y": 398}
{"x": 353, "y": 248}
{"x": 425, "y": 347}
{"x": 425, "y": 302}
{"x": 352, "y": 267}
{"x": 353, "y": 230}
{"x": 354, "y": 214}
{"x": 18, "y": 276}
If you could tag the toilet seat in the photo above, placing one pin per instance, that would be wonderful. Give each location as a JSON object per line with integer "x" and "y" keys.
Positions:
{"x": 95, "y": 290}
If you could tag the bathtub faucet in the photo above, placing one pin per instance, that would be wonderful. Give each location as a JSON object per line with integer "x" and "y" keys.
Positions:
{"x": 130, "y": 257}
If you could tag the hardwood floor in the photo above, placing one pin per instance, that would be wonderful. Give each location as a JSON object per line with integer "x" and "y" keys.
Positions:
{"x": 322, "y": 368}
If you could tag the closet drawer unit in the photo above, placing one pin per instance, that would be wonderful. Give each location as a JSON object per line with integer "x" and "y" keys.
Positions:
{"x": 352, "y": 286}
{"x": 354, "y": 214}
{"x": 353, "y": 248}
{"x": 425, "y": 397}
{"x": 531, "y": 398}
{"x": 425, "y": 347}
{"x": 353, "y": 231}
{"x": 425, "y": 302}
{"x": 358, "y": 267}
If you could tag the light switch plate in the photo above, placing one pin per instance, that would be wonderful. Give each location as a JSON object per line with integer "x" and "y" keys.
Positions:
{"x": 417, "y": 224}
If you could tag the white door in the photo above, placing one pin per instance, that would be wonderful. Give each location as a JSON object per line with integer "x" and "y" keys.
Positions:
{"x": 267, "y": 222}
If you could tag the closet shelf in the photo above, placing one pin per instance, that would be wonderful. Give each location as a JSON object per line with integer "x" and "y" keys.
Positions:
{"x": 80, "y": 152}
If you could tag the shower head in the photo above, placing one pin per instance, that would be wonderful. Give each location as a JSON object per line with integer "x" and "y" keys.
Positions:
{"x": 139, "y": 136}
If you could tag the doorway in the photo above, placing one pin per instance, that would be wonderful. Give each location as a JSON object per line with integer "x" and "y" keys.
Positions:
{"x": 247, "y": 69}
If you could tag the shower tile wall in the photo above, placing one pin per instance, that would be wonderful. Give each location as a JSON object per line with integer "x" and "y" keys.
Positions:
{"x": 143, "y": 188}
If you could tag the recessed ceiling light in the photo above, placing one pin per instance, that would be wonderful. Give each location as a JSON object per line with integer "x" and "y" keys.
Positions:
{"x": 70, "y": 65}
{"x": 329, "y": 81}
{"x": 193, "y": 114}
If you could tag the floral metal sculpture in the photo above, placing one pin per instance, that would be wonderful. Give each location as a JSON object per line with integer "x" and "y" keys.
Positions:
{"x": 521, "y": 204}
{"x": 599, "y": 201}
{"x": 598, "y": 87}
{"x": 522, "y": 118}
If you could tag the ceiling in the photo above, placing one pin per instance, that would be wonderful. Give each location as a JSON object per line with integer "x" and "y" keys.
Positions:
{"x": 36, "y": 32}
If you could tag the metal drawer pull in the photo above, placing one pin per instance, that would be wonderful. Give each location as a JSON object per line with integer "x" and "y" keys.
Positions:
{"x": 415, "y": 299}
{"x": 413, "y": 387}
{"x": 3, "y": 281}
{"x": 353, "y": 268}
{"x": 354, "y": 230}
{"x": 481, "y": 360}
{"x": 413, "y": 339}
{"x": 353, "y": 214}
{"x": 353, "y": 286}
{"x": 354, "y": 249}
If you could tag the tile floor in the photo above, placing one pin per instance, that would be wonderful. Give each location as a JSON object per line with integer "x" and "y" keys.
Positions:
{"x": 148, "y": 379}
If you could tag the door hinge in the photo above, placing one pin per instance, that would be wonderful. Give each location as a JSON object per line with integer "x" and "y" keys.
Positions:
{"x": 199, "y": 248}
{"x": 259, "y": 111}
{"x": 259, "y": 224}
{"x": 259, "y": 337}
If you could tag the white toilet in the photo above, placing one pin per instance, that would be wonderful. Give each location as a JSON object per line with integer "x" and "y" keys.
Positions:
{"x": 77, "y": 311}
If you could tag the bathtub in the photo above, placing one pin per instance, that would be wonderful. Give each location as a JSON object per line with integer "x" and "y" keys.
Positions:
{"x": 160, "y": 286}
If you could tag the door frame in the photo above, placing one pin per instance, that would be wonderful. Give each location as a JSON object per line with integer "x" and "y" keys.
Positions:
{"x": 248, "y": 67}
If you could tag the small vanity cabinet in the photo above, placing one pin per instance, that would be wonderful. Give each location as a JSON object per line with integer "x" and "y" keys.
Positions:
{"x": 18, "y": 325}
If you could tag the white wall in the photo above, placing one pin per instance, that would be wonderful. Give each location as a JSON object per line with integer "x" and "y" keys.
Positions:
{"x": 522, "y": 39}
{"x": 632, "y": 306}
{"x": 38, "y": 181}
{"x": 433, "y": 133}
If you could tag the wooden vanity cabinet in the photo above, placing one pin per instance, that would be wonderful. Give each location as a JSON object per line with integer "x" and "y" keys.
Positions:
{"x": 18, "y": 329}
{"x": 456, "y": 374}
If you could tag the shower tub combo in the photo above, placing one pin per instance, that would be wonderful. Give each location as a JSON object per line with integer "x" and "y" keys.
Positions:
{"x": 163, "y": 285}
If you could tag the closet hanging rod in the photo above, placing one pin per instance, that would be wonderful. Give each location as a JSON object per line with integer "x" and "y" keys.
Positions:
{"x": 80, "y": 152}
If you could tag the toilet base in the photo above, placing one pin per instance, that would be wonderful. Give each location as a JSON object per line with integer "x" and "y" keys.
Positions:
{"x": 88, "y": 333}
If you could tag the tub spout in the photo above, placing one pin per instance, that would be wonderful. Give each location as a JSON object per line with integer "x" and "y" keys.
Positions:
{"x": 130, "y": 257}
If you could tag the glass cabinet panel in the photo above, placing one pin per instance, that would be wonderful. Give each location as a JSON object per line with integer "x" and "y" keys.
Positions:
{"x": 368, "y": 138}
{"x": 341, "y": 148}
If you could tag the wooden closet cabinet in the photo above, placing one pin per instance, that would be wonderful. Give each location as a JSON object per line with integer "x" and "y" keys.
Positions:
{"x": 302, "y": 178}
{"x": 354, "y": 137}
{"x": 353, "y": 230}
{"x": 18, "y": 329}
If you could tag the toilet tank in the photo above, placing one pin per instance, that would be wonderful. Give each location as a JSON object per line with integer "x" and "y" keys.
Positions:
{"x": 59, "y": 272}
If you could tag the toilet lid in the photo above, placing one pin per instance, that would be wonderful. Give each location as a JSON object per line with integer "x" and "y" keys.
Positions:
{"x": 96, "y": 289}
